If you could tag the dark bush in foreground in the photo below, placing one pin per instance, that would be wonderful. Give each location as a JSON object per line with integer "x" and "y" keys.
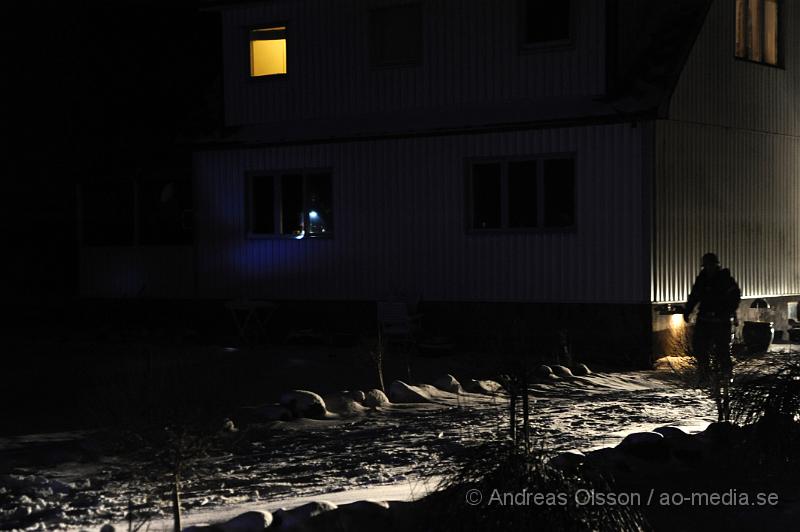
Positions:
{"x": 519, "y": 491}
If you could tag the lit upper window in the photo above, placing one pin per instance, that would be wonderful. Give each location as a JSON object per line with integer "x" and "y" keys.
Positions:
{"x": 757, "y": 30}
{"x": 268, "y": 51}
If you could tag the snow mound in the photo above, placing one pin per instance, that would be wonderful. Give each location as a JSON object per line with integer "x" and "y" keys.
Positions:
{"x": 485, "y": 387}
{"x": 581, "y": 370}
{"x": 671, "y": 432}
{"x": 375, "y": 398}
{"x": 448, "y": 383}
{"x": 303, "y": 403}
{"x": 253, "y": 521}
{"x": 400, "y": 392}
{"x": 287, "y": 519}
{"x": 356, "y": 395}
{"x": 343, "y": 405}
{"x": 561, "y": 371}
{"x": 359, "y": 515}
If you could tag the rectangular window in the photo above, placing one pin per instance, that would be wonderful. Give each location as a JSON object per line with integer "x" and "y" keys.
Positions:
{"x": 395, "y": 35}
{"x": 268, "y": 51}
{"x": 757, "y": 30}
{"x": 522, "y": 193}
{"x": 108, "y": 213}
{"x": 292, "y": 204}
{"x": 546, "y": 21}
{"x": 262, "y": 205}
{"x": 165, "y": 212}
{"x": 486, "y": 194}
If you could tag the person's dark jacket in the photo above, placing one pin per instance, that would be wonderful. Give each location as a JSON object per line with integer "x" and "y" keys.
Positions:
{"x": 718, "y": 295}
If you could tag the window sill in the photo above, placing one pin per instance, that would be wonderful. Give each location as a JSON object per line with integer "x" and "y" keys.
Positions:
{"x": 255, "y": 236}
{"x": 563, "y": 45}
{"x": 267, "y": 78}
{"x": 572, "y": 229}
{"x": 760, "y": 63}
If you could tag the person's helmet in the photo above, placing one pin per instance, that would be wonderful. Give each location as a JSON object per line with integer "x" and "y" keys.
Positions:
{"x": 710, "y": 259}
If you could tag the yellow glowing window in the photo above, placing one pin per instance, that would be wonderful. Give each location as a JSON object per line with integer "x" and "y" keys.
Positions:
{"x": 757, "y": 30}
{"x": 268, "y": 51}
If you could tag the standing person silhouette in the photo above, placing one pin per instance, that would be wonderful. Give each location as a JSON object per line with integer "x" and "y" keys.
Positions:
{"x": 718, "y": 296}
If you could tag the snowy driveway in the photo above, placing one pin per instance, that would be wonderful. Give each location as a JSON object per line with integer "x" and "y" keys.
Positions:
{"x": 394, "y": 446}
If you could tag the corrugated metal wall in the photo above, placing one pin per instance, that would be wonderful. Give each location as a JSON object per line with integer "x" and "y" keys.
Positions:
{"x": 716, "y": 88}
{"x": 727, "y": 175}
{"x": 471, "y": 54}
{"x": 400, "y": 224}
{"x": 730, "y": 191}
{"x": 157, "y": 272}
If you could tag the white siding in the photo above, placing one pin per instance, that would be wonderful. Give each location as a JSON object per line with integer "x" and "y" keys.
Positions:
{"x": 400, "y": 224}
{"x": 150, "y": 272}
{"x": 471, "y": 55}
{"x": 731, "y": 191}
{"x": 727, "y": 175}
{"x": 716, "y": 88}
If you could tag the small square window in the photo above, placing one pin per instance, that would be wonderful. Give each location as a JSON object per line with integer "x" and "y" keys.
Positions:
{"x": 395, "y": 34}
{"x": 547, "y": 21}
{"x": 268, "y": 51}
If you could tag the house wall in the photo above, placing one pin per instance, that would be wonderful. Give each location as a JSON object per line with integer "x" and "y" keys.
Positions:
{"x": 137, "y": 272}
{"x": 471, "y": 55}
{"x": 716, "y": 88}
{"x": 727, "y": 175}
{"x": 399, "y": 212}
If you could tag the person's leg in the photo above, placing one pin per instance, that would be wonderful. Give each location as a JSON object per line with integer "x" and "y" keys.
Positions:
{"x": 723, "y": 344}
{"x": 701, "y": 345}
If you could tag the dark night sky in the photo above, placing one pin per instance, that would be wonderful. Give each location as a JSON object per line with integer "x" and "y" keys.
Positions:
{"x": 97, "y": 92}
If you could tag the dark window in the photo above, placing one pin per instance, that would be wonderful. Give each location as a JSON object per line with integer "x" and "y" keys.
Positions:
{"x": 292, "y": 205}
{"x": 320, "y": 204}
{"x": 757, "y": 30}
{"x": 486, "y": 196}
{"x": 165, "y": 212}
{"x": 559, "y": 189}
{"x": 396, "y": 35}
{"x": 304, "y": 206}
{"x": 108, "y": 213}
{"x": 522, "y": 194}
{"x": 546, "y": 21}
{"x": 262, "y": 205}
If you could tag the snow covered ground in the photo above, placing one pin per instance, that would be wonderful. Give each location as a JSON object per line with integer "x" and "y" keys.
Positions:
{"x": 384, "y": 454}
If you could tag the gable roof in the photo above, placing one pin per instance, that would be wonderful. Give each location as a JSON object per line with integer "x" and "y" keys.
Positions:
{"x": 653, "y": 42}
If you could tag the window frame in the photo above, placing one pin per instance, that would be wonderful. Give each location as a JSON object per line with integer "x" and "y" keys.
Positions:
{"x": 377, "y": 66}
{"x": 780, "y": 64}
{"x": 247, "y": 31}
{"x": 137, "y": 240}
{"x": 277, "y": 203}
{"x": 545, "y": 46}
{"x": 504, "y": 228}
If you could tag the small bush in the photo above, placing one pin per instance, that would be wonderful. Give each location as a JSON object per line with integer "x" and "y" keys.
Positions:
{"x": 498, "y": 468}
